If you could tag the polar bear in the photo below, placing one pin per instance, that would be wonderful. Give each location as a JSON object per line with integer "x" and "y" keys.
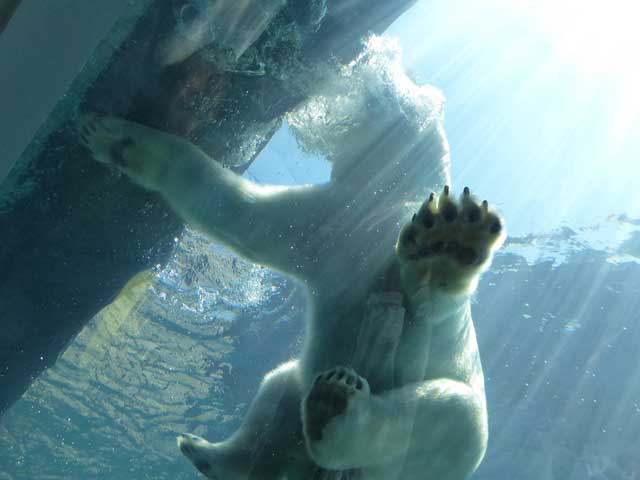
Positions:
{"x": 389, "y": 383}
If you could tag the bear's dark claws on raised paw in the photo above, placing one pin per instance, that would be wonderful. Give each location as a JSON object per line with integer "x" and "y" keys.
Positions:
{"x": 463, "y": 230}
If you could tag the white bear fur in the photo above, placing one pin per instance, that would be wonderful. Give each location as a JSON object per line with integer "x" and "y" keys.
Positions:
{"x": 399, "y": 327}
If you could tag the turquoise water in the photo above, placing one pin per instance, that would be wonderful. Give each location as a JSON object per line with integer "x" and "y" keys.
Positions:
{"x": 185, "y": 345}
{"x": 557, "y": 325}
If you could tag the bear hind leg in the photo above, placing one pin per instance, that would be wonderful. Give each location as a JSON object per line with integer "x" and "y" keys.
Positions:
{"x": 269, "y": 443}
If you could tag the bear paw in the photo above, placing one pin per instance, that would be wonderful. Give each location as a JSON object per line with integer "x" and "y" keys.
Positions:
{"x": 450, "y": 241}
{"x": 201, "y": 454}
{"x": 143, "y": 154}
{"x": 332, "y": 412}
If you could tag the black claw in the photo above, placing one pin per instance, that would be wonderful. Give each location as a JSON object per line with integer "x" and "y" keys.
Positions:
{"x": 432, "y": 196}
{"x": 485, "y": 204}
{"x": 446, "y": 189}
{"x": 466, "y": 191}
{"x": 413, "y": 219}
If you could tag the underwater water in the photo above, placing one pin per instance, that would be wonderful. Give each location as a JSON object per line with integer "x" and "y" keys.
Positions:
{"x": 184, "y": 349}
{"x": 183, "y": 336}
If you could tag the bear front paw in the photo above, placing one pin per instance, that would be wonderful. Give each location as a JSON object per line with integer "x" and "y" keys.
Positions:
{"x": 200, "y": 453}
{"x": 333, "y": 413}
{"x": 449, "y": 241}
{"x": 105, "y": 138}
{"x": 334, "y": 393}
{"x": 141, "y": 153}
